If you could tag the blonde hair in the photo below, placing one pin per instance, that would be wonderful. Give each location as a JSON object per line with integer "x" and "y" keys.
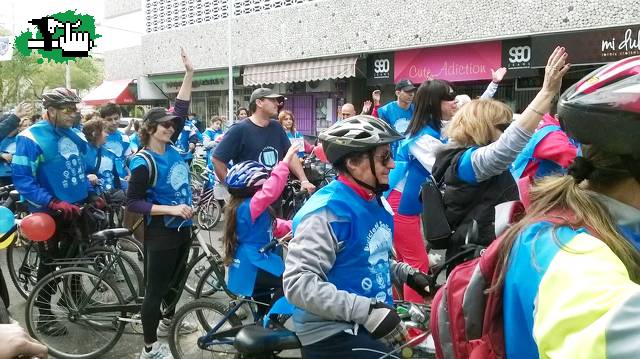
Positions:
{"x": 567, "y": 194}
{"x": 283, "y": 115}
{"x": 473, "y": 124}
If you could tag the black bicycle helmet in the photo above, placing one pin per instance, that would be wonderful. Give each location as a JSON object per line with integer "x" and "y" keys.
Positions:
{"x": 356, "y": 134}
{"x": 59, "y": 97}
{"x": 604, "y": 108}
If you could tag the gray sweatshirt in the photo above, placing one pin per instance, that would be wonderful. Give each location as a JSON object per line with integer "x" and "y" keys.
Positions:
{"x": 312, "y": 254}
{"x": 495, "y": 158}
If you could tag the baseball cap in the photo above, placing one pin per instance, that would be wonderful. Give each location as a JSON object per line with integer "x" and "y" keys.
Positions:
{"x": 263, "y": 92}
{"x": 159, "y": 114}
{"x": 405, "y": 85}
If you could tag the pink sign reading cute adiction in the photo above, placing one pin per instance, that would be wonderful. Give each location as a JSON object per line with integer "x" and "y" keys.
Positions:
{"x": 466, "y": 62}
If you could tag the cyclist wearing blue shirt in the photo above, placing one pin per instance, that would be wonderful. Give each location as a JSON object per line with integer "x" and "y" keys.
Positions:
{"x": 116, "y": 142}
{"x": 399, "y": 113}
{"x": 7, "y": 149}
{"x": 189, "y": 136}
{"x": 100, "y": 163}
{"x": 48, "y": 171}
{"x": 211, "y": 134}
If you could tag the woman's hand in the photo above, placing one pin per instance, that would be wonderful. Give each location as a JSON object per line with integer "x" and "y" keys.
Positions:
{"x": 182, "y": 210}
{"x": 554, "y": 71}
{"x": 188, "y": 66}
{"x": 293, "y": 151}
{"x": 93, "y": 179}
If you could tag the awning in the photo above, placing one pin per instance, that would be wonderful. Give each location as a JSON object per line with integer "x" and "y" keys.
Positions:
{"x": 149, "y": 91}
{"x": 300, "y": 71}
{"x": 197, "y": 76}
{"x": 110, "y": 91}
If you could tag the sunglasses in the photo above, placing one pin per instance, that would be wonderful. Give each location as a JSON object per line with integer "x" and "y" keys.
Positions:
{"x": 68, "y": 109}
{"x": 502, "y": 126}
{"x": 168, "y": 124}
{"x": 384, "y": 158}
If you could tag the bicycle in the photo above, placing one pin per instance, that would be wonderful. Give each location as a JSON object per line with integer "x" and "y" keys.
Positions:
{"x": 207, "y": 208}
{"x": 292, "y": 199}
{"x": 217, "y": 335}
{"x": 90, "y": 301}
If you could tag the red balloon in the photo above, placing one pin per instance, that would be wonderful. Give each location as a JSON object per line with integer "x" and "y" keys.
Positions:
{"x": 38, "y": 227}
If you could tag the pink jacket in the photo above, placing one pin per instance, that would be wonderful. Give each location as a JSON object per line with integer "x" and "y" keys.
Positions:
{"x": 269, "y": 193}
{"x": 555, "y": 147}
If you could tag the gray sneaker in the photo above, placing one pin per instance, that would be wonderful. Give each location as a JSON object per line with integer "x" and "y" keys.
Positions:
{"x": 185, "y": 328}
{"x": 158, "y": 351}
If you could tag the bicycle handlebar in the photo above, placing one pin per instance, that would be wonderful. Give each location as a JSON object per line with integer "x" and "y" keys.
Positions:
{"x": 269, "y": 246}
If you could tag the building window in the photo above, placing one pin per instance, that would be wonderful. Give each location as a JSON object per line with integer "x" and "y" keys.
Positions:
{"x": 163, "y": 15}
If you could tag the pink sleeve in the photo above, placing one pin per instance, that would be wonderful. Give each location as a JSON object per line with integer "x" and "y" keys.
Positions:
{"x": 270, "y": 191}
{"x": 308, "y": 148}
{"x": 374, "y": 113}
{"x": 281, "y": 227}
{"x": 556, "y": 147}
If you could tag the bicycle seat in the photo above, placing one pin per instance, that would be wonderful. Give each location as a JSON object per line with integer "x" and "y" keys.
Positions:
{"x": 256, "y": 339}
{"x": 111, "y": 233}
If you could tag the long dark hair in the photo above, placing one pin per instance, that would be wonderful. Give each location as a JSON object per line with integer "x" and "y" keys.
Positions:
{"x": 427, "y": 101}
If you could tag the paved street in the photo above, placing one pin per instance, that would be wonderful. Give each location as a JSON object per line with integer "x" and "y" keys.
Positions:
{"x": 129, "y": 345}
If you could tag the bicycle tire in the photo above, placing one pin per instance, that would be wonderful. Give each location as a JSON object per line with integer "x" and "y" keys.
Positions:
{"x": 206, "y": 220}
{"x": 54, "y": 345}
{"x": 209, "y": 283}
{"x": 199, "y": 306}
{"x": 191, "y": 286}
{"x": 23, "y": 285}
{"x": 132, "y": 268}
{"x": 4, "y": 313}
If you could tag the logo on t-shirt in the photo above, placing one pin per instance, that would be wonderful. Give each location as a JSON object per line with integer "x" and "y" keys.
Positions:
{"x": 268, "y": 157}
{"x": 401, "y": 125}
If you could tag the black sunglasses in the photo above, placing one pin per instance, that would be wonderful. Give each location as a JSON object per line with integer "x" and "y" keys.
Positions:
{"x": 168, "y": 124}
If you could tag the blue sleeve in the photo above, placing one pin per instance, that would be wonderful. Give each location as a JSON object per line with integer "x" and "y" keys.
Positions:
{"x": 382, "y": 114}
{"x": 230, "y": 145}
{"x": 136, "y": 162}
{"x": 24, "y": 165}
{"x": 465, "y": 167}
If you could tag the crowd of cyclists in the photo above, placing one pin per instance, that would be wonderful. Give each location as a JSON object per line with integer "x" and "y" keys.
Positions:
{"x": 567, "y": 270}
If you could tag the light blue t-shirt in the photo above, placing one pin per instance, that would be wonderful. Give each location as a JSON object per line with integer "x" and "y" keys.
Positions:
{"x": 396, "y": 116}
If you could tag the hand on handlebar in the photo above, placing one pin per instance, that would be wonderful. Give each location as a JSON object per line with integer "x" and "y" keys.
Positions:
{"x": 385, "y": 324}
{"x": 419, "y": 282}
{"x": 182, "y": 211}
{"x": 69, "y": 211}
{"x": 307, "y": 186}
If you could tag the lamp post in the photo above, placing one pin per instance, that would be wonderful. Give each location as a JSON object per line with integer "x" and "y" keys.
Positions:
{"x": 230, "y": 64}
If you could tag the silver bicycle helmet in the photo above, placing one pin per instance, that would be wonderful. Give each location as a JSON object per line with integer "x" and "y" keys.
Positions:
{"x": 360, "y": 133}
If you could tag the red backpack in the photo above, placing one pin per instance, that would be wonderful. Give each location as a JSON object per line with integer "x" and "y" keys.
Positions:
{"x": 466, "y": 322}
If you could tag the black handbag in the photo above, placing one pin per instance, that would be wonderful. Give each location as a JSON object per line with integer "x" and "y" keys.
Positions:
{"x": 435, "y": 225}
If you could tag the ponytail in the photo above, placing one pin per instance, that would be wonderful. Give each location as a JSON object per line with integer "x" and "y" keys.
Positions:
{"x": 229, "y": 237}
{"x": 567, "y": 194}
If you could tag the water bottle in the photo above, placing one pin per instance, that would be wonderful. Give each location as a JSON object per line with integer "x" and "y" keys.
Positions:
{"x": 417, "y": 315}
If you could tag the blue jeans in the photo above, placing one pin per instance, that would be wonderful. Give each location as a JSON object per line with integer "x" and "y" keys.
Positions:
{"x": 347, "y": 345}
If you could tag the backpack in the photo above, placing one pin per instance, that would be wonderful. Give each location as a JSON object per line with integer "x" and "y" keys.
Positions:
{"x": 151, "y": 165}
{"x": 465, "y": 321}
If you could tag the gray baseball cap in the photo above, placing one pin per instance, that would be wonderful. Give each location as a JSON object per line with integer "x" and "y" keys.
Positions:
{"x": 263, "y": 92}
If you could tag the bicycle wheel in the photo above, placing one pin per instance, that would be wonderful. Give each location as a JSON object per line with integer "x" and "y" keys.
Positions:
{"x": 197, "y": 266}
{"x": 209, "y": 214}
{"x": 205, "y": 314}
{"x": 124, "y": 273}
{"x": 70, "y": 299}
{"x": 210, "y": 282}
{"x": 23, "y": 261}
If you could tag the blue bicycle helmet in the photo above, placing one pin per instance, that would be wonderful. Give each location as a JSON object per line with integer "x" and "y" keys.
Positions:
{"x": 246, "y": 177}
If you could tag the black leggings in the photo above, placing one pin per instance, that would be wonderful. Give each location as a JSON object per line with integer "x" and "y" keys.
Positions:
{"x": 164, "y": 270}
{"x": 266, "y": 285}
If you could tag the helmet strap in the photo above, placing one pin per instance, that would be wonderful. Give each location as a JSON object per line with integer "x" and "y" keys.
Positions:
{"x": 378, "y": 189}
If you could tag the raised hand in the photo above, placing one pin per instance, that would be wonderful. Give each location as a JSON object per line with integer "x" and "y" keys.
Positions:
{"x": 24, "y": 109}
{"x": 188, "y": 66}
{"x": 366, "y": 107}
{"x": 556, "y": 69}
{"x": 498, "y": 75}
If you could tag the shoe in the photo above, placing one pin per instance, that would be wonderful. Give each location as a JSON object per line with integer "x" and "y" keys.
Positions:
{"x": 49, "y": 326}
{"x": 185, "y": 328}
{"x": 158, "y": 351}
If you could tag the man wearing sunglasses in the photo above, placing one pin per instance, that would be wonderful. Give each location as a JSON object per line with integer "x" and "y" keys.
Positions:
{"x": 48, "y": 171}
{"x": 258, "y": 138}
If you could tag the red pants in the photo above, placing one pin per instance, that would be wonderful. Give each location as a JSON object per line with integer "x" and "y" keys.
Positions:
{"x": 408, "y": 243}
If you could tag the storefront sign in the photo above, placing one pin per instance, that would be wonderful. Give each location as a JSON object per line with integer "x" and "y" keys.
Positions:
{"x": 380, "y": 69}
{"x": 516, "y": 53}
{"x": 589, "y": 47}
{"x": 467, "y": 62}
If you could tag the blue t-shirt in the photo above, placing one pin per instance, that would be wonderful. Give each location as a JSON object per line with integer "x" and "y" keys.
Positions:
{"x": 247, "y": 141}
{"x": 396, "y": 116}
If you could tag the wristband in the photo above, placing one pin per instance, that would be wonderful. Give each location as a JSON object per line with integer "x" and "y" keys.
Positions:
{"x": 535, "y": 111}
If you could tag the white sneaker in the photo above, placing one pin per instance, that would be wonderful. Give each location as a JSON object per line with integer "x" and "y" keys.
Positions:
{"x": 185, "y": 328}
{"x": 158, "y": 351}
